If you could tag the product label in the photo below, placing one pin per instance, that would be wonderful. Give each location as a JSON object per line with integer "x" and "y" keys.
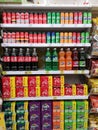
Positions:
{"x": 6, "y": 59}
{"x": 82, "y": 63}
{"x": 75, "y": 63}
{"x": 55, "y": 59}
{"x": 68, "y": 63}
{"x": 48, "y": 59}
{"x": 27, "y": 58}
{"x": 34, "y": 59}
{"x": 20, "y": 58}
{"x": 62, "y": 64}
{"x": 13, "y": 59}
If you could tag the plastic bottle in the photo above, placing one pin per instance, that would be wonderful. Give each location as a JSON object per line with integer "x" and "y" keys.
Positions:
{"x": 34, "y": 60}
{"x": 13, "y": 59}
{"x": 55, "y": 60}
{"x": 75, "y": 58}
{"x": 82, "y": 59}
{"x": 27, "y": 60}
{"x": 68, "y": 59}
{"x": 48, "y": 64}
{"x": 20, "y": 59}
{"x": 61, "y": 59}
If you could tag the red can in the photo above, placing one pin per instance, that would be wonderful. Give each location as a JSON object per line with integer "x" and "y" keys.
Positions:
{"x": 26, "y": 18}
{"x": 17, "y": 37}
{"x": 57, "y": 91}
{"x": 13, "y": 37}
{"x": 31, "y": 38}
{"x": 35, "y": 18}
{"x": 4, "y": 17}
{"x": 74, "y": 37}
{"x": 44, "y": 81}
{"x": 5, "y": 39}
{"x": 56, "y": 81}
{"x": 20, "y": 91}
{"x": 44, "y": 91}
{"x": 6, "y": 81}
{"x": 78, "y": 37}
{"x": 6, "y": 92}
{"x": 35, "y": 37}
{"x": 39, "y": 37}
{"x": 68, "y": 89}
{"x": 32, "y": 81}
{"x": 13, "y": 18}
{"x": 40, "y": 18}
{"x": 80, "y": 18}
{"x": 9, "y": 18}
{"x": 22, "y": 18}
{"x": 79, "y": 89}
{"x": 18, "y": 17}
{"x": 26, "y": 37}
{"x": 43, "y": 37}
{"x": 22, "y": 35}
{"x": 9, "y": 36}
{"x": 31, "y": 91}
{"x": 75, "y": 17}
{"x": 31, "y": 19}
{"x": 44, "y": 18}
{"x": 19, "y": 81}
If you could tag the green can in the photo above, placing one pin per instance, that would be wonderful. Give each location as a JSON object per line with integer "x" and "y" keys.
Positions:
{"x": 53, "y": 37}
{"x": 57, "y": 37}
{"x": 87, "y": 37}
{"x": 49, "y": 20}
{"x": 53, "y": 18}
{"x": 89, "y": 17}
{"x": 57, "y": 18}
{"x": 48, "y": 37}
{"x": 83, "y": 37}
{"x": 85, "y": 18}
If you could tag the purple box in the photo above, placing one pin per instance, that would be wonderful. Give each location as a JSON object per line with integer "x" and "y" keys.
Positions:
{"x": 34, "y": 117}
{"x": 35, "y": 126}
{"x": 46, "y": 117}
{"x": 34, "y": 106}
{"x": 46, "y": 106}
{"x": 47, "y": 126}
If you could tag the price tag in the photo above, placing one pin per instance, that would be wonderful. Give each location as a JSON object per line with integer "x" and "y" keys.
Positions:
{"x": 4, "y": 72}
{"x": 54, "y": 98}
{"x": 82, "y": 71}
{"x": 28, "y": 72}
{"x": 47, "y": 72}
{"x": 76, "y": 72}
{"x": 62, "y": 72}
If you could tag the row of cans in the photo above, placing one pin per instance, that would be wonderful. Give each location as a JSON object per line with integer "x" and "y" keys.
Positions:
{"x": 47, "y": 18}
{"x": 46, "y": 37}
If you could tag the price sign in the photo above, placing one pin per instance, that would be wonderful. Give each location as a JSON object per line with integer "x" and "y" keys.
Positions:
{"x": 28, "y": 72}
{"x": 4, "y": 72}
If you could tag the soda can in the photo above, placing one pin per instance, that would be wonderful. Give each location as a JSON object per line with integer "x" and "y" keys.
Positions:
{"x": 78, "y": 37}
{"x": 22, "y": 37}
{"x": 61, "y": 37}
{"x": 53, "y": 37}
{"x": 66, "y": 18}
{"x": 49, "y": 18}
{"x": 9, "y": 36}
{"x": 75, "y": 17}
{"x": 83, "y": 37}
{"x": 48, "y": 37}
{"x": 80, "y": 18}
{"x": 17, "y": 37}
{"x": 26, "y": 18}
{"x": 57, "y": 37}
{"x": 43, "y": 37}
{"x": 35, "y": 37}
{"x": 66, "y": 37}
{"x": 4, "y": 17}
{"x": 31, "y": 18}
{"x": 62, "y": 18}
{"x": 57, "y": 18}
{"x": 89, "y": 17}
{"x": 71, "y": 18}
{"x": 87, "y": 37}
{"x": 22, "y": 18}
{"x": 85, "y": 18}
{"x": 74, "y": 37}
{"x": 70, "y": 37}
{"x": 13, "y": 18}
{"x": 39, "y": 37}
{"x": 35, "y": 18}
{"x": 44, "y": 18}
{"x": 31, "y": 38}
{"x": 13, "y": 37}
{"x": 9, "y": 18}
{"x": 5, "y": 39}
{"x": 40, "y": 17}
{"x": 53, "y": 17}
{"x": 26, "y": 37}
{"x": 18, "y": 17}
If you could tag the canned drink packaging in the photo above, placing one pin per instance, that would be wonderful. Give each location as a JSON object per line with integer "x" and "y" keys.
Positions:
{"x": 74, "y": 37}
{"x": 75, "y": 17}
{"x": 78, "y": 37}
{"x": 31, "y": 18}
{"x": 40, "y": 17}
{"x": 13, "y": 37}
{"x": 57, "y": 37}
{"x": 18, "y": 18}
{"x": 44, "y": 18}
{"x": 26, "y": 37}
{"x": 85, "y": 17}
{"x": 83, "y": 37}
{"x": 4, "y": 17}
{"x": 70, "y": 37}
{"x": 22, "y": 19}
{"x": 31, "y": 40}
{"x": 22, "y": 37}
{"x": 43, "y": 37}
{"x": 87, "y": 37}
{"x": 17, "y": 37}
{"x": 66, "y": 18}
{"x": 39, "y": 37}
{"x": 35, "y": 18}
{"x": 80, "y": 17}
{"x": 53, "y": 37}
{"x": 70, "y": 18}
{"x": 9, "y": 36}
{"x": 5, "y": 38}
{"x": 26, "y": 19}
{"x": 61, "y": 37}
{"x": 57, "y": 18}
{"x": 35, "y": 36}
{"x": 49, "y": 17}
{"x": 66, "y": 37}
{"x": 62, "y": 18}
{"x": 13, "y": 18}
{"x": 89, "y": 17}
{"x": 9, "y": 18}
{"x": 53, "y": 17}
{"x": 48, "y": 37}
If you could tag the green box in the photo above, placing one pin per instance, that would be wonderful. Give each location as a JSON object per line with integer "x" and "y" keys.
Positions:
{"x": 82, "y": 106}
{"x": 70, "y": 106}
{"x": 70, "y": 125}
{"x": 82, "y": 115}
{"x": 82, "y": 125}
{"x": 70, "y": 115}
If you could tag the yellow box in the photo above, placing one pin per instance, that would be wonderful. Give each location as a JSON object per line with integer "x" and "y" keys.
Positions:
{"x": 86, "y": 115}
{"x": 13, "y": 106}
{"x": 12, "y": 81}
{"x": 86, "y": 124}
{"x": 50, "y": 81}
{"x": 25, "y": 81}
{"x": 86, "y": 105}
{"x": 74, "y": 115}
{"x": 12, "y": 86}
{"x": 61, "y": 106}
{"x": 73, "y": 89}
{"x": 26, "y": 125}
{"x": 85, "y": 89}
{"x": 14, "y": 126}
{"x": 14, "y": 116}
{"x": 62, "y": 90}
{"x": 38, "y": 91}
{"x": 50, "y": 91}
{"x": 25, "y": 91}
{"x": 74, "y": 126}
{"x": 37, "y": 81}
{"x": 13, "y": 93}
{"x": 25, "y": 106}
{"x": 62, "y": 116}
{"x": 74, "y": 105}
{"x": 26, "y": 116}
{"x": 62, "y": 125}
{"x": 62, "y": 80}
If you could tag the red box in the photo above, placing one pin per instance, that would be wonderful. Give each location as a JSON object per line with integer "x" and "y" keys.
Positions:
{"x": 19, "y": 91}
{"x": 57, "y": 91}
{"x": 68, "y": 89}
{"x": 44, "y": 81}
{"x": 79, "y": 89}
{"x": 56, "y": 81}
{"x": 6, "y": 81}
{"x": 19, "y": 81}
{"x": 6, "y": 91}
{"x": 44, "y": 91}
{"x": 32, "y": 81}
{"x": 31, "y": 91}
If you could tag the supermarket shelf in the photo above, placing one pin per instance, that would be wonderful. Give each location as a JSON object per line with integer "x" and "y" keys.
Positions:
{"x": 46, "y": 26}
{"x": 44, "y": 6}
{"x": 41, "y": 72}
{"x": 94, "y": 110}
{"x": 45, "y": 45}
{"x": 49, "y": 98}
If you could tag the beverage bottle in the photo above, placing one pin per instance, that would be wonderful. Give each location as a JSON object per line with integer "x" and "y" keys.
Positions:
{"x": 48, "y": 60}
{"x": 55, "y": 60}
{"x": 34, "y": 60}
{"x": 6, "y": 60}
{"x": 82, "y": 59}
{"x": 21, "y": 59}
{"x": 13, "y": 60}
{"x": 61, "y": 59}
{"x": 68, "y": 60}
{"x": 75, "y": 58}
{"x": 27, "y": 60}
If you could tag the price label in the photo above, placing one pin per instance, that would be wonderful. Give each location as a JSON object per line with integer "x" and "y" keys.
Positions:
{"x": 76, "y": 72}
{"x": 47, "y": 72}
{"x": 4, "y": 72}
{"x": 54, "y": 98}
{"x": 28, "y": 72}
{"x": 62, "y": 72}
{"x": 82, "y": 71}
